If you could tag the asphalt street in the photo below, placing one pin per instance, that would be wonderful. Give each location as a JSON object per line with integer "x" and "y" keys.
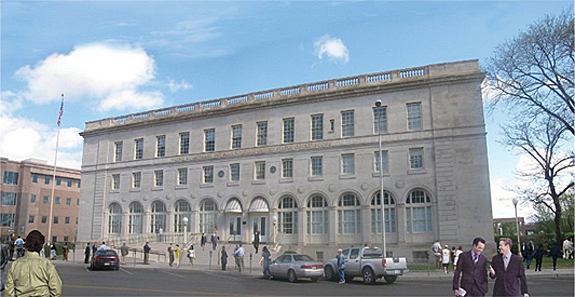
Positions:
{"x": 130, "y": 281}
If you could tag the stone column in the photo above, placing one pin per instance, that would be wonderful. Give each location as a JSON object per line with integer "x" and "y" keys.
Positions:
{"x": 301, "y": 227}
{"x": 170, "y": 228}
{"x": 400, "y": 215}
{"x": 332, "y": 225}
{"x": 147, "y": 221}
{"x": 125, "y": 224}
{"x": 366, "y": 224}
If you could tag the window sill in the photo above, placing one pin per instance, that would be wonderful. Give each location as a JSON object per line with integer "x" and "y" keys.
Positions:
{"x": 233, "y": 184}
{"x": 180, "y": 187}
{"x": 315, "y": 179}
{"x": 258, "y": 182}
{"x": 376, "y": 174}
{"x": 286, "y": 181}
{"x": 135, "y": 190}
{"x": 416, "y": 171}
{"x": 347, "y": 176}
{"x": 158, "y": 188}
{"x": 210, "y": 185}
{"x": 114, "y": 191}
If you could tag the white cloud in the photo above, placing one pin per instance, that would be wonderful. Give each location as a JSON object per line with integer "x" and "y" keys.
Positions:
{"x": 332, "y": 48}
{"x": 175, "y": 86}
{"x": 130, "y": 99}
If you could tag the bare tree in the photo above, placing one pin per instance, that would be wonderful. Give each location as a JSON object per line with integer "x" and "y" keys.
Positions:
{"x": 534, "y": 72}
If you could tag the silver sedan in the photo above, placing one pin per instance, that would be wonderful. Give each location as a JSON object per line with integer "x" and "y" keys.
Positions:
{"x": 294, "y": 266}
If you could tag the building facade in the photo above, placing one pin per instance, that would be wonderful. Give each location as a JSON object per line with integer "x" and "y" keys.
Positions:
{"x": 301, "y": 165}
{"x": 26, "y": 192}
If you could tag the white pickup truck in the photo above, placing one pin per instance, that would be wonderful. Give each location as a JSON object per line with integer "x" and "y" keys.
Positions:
{"x": 367, "y": 262}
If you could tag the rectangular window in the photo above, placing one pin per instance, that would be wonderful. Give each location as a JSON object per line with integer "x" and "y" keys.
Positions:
{"x": 44, "y": 219}
{"x": 45, "y": 199}
{"x": 76, "y": 220}
{"x": 10, "y": 178}
{"x": 236, "y": 136}
{"x": 159, "y": 178}
{"x": 67, "y": 220}
{"x": 57, "y": 200}
{"x": 115, "y": 181}
{"x": 210, "y": 140}
{"x": 47, "y": 180}
{"x": 136, "y": 179}
{"x": 69, "y": 183}
{"x": 416, "y": 158}
{"x": 58, "y": 181}
{"x": 289, "y": 133}
{"x": 8, "y": 198}
{"x": 77, "y": 201}
{"x": 317, "y": 127}
{"x": 347, "y": 123}
{"x": 184, "y": 143}
{"x": 6, "y": 220}
{"x": 260, "y": 170}
{"x": 414, "y": 116}
{"x": 160, "y": 146}
{"x": 384, "y": 161}
{"x": 208, "y": 174}
{"x": 32, "y": 198}
{"x": 347, "y": 164}
{"x": 138, "y": 149}
{"x": 235, "y": 172}
{"x": 316, "y": 166}
{"x": 118, "y": 150}
{"x": 380, "y": 120}
{"x": 34, "y": 178}
{"x": 287, "y": 168}
{"x": 31, "y": 219}
{"x": 68, "y": 201}
{"x": 79, "y": 184}
{"x": 262, "y": 134}
{"x": 55, "y": 220}
{"x": 331, "y": 126}
{"x": 182, "y": 176}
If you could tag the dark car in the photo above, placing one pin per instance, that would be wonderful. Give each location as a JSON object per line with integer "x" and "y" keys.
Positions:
{"x": 105, "y": 259}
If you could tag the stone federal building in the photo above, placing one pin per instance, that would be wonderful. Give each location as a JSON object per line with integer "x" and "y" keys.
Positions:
{"x": 301, "y": 165}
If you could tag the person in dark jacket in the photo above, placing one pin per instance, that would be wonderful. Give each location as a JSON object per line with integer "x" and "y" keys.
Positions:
{"x": 529, "y": 253}
{"x": 203, "y": 241}
{"x": 473, "y": 265}
{"x": 539, "y": 257}
{"x": 507, "y": 270}
{"x": 224, "y": 258}
{"x": 87, "y": 253}
{"x": 555, "y": 253}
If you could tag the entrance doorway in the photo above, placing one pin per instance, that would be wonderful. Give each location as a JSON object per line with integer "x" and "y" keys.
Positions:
{"x": 235, "y": 224}
{"x": 260, "y": 223}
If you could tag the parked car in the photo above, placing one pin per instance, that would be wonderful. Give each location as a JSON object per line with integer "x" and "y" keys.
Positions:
{"x": 105, "y": 259}
{"x": 369, "y": 263}
{"x": 296, "y": 266}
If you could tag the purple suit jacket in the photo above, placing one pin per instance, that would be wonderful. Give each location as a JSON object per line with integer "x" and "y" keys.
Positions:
{"x": 474, "y": 279}
{"x": 507, "y": 280}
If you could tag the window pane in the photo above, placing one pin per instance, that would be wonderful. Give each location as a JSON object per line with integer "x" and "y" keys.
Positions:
{"x": 236, "y": 136}
{"x": 416, "y": 158}
{"x": 316, "y": 166}
{"x": 288, "y": 135}
{"x": 262, "y": 134}
{"x": 184, "y": 143}
{"x": 347, "y": 123}
{"x": 348, "y": 164}
{"x": 119, "y": 146}
{"x": 160, "y": 146}
{"x": 385, "y": 161}
{"x": 317, "y": 127}
{"x": 380, "y": 120}
{"x": 210, "y": 140}
{"x": 139, "y": 149}
{"x": 414, "y": 116}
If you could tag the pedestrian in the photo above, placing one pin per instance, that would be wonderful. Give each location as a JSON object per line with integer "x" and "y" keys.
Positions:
{"x": 266, "y": 258}
{"x": 524, "y": 251}
{"x": 566, "y": 249}
{"x": 473, "y": 265}
{"x": 11, "y": 249}
{"x": 458, "y": 252}
{"x": 341, "y": 266}
{"x": 94, "y": 249}
{"x": 507, "y": 270}
{"x": 453, "y": 250}
{"x": 203, "y": 241}
{"x": 529, "y": 252}
{"x": 256, "y": 241}
{"x": 555, "y": 253}
{"x": 214, "y": 240}
{"x": 436, "y": 249}
{"x": 445, "y": 257}
{"x": 191, "y": 255}
{"x": 239, "y": 256}
{"x": 539, "y": 252}
{"x": 53, "y": 251}
{"x": 224, "y": 257}
{"x": 4, "y": 254}
{"x": 171, "y": 254}
{"x": 87, "y": 253}
{"x": 19, "y": 244}
{"x": 147, "y": 253}
{"x": 65, "y": 251}
{"x": 103, "y": 246}
{"x": 124, "y": 252}
{"x": 178, "y": 254}
{"x": 33, "y": 275}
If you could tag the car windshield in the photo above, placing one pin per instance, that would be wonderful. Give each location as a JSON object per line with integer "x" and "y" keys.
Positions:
{"x": 303, "y": 258}
{"x": 106, "y": 253}
{"x": 372, "y": 252}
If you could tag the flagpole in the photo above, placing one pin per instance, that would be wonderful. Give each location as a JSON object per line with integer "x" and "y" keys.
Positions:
{"x": 50, "y": 219}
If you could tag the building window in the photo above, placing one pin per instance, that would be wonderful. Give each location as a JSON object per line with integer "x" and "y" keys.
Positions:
{"x": 31, "y": 219}
{"x": 77, "y": 201}
{"x": 349, "y": 214}
{"x": 380, "y": 120}
{"x": 46, "y": 180}
{"x": 58, "y": 181}
{"x": 138, "y": 149}
{"x": 331, "y": 126}
{"x": 66, "y": 238}
{"x": 287, "y": 168}
{"x": 8, "y": 198}
{"x": 34, "y": 178}
{"x": 32, "y": 198}
{"x": 118, "y": 149}
{"x": 384, "y": 161}
{"x": 182, "y": 210}
{"x": 182, "y": 176}
{"x": 317, "y": 215}
{"x": 414, "y": 116}
{"x": 348, "y": 164}
{"x": 160, "y": 146}
{"x": 114, "y": 219}
{"x": 158, "y": 218}
{"x": 235, "y": 172}
{"x": 317, "y": 127}
{"x": 287, "y": 216}
{"x": 6, "y": 220}
{"x": 210, "y": 140}
{"x": 159, "y": 178}
{"x": 316, "y": 166}
{"x": 136, "y": 218}
{"x": 79, "y": 184}
{"x": 115, "y": 181}
{"x": 45, "y": 200}
{"x": 416, "y": 158}
{"x": 418, "y": 212}
{"x": 347, "y": 123}
{"x": 76, "y": 220}
{"x": 54, "y": 238}
{"x": 44, "y": 219}
{"x": 10, "y": 178}
{"x": 262, "y": 134}
{"x": 390, "y": 215}
{"x": 68, "y": 201}
{"x": 208, "y": 214}
{"x": 57, "y": 200}
{"x": 260, "y": 170}
{"x": 69, "y": 183}
{"x": 208, "y": 174}
{"x": 67, "y": 220}
{"x": 55, "y": 220}
{"x": 289, "y": 130}
{"x": 236, "y": 136}
{"x": 136, "y": 179}
{"x": 184, "y": 143}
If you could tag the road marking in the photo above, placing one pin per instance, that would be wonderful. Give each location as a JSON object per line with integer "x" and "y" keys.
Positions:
{"x": 162, "y": 291}
{"x": 126, "y": 271}
{"x": 219, "y": 275}
{"x": 180, "y": 276}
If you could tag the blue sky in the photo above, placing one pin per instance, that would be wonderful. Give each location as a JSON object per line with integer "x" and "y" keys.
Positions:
{"x": 117, "y": 57}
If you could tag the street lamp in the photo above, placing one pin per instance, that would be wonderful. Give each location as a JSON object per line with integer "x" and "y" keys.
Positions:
{"x": 378, "y": 105}
{"x": 185, "y": 220}
{"x": 517, "y": 225}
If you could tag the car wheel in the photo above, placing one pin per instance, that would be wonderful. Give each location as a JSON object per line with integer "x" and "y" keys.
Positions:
{"x": 292, "y": 278}
{"x": 390, "y": 279}
{"x": 314, "y": 279}
{"x": 329, "y": 273}
{"x": 368, "y": 277}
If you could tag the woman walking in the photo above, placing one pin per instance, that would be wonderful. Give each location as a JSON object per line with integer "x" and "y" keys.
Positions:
{"x": 178, "y": 255}
{"x": 266, "y": 257}
{"x": 191, "y": 255}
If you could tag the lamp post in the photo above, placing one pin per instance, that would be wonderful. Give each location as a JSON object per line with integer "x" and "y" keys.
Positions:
{"x": 185, "y": 220}
{"x": 378, "y": 105}
{"x": 517, "y": 225}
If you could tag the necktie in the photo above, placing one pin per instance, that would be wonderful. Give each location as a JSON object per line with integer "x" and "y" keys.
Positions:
{"x": 475, "y": 259}
{"x": 505, "y": 262}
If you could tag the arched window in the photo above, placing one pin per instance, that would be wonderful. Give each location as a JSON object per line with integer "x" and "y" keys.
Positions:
{"x": 208, "y": 215}
{"x": 390, "y": 214}
{"x": 317, "y": 217}
{"x": 115, "y": 219}
{"x": 349, "y": 214}
{"x": 287, "y": 215}
{"x": 158, "y": 219}
{"x": 136, "y": 224}
{"x": 181, "y": 211}
{"x": 418, "y": 212}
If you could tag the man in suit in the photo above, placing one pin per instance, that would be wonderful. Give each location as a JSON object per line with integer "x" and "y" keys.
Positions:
{"x": 473, "y": 265}
{"x": 508, "y": 271}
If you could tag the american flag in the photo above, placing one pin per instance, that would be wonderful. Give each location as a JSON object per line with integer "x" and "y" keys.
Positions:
{"x": 61, "y": 111}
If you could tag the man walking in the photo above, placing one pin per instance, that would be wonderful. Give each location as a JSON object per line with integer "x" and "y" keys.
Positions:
{"x": 341, "y": 266}
{"x": 124, "y": 251}
{"x": 473, "y": 265}
{"x": 256, "y": 240}
{"x": 87, "y": 253}
{"x": 19, "y": 244}
{"x": 436, "y": 248}
{"x": 171, "y": 254}
{"x": 239, "y": 255}
{"x": 507, "y": 269}
{"x": 147, "y": 253}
